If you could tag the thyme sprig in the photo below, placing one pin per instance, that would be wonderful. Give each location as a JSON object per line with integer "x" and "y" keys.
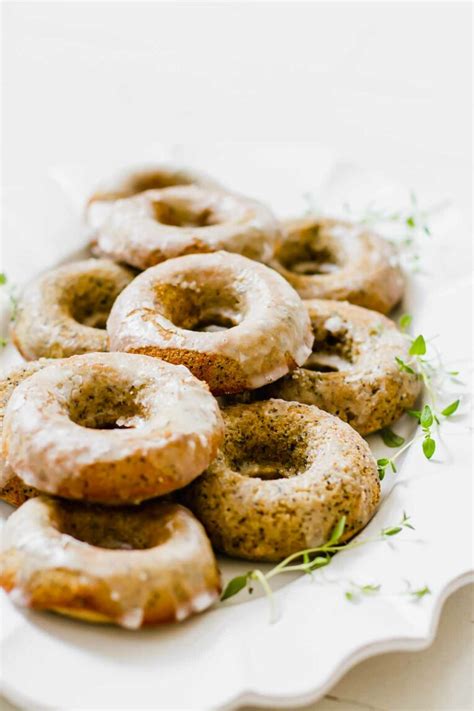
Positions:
{"x": 417, "y": 594}
{"x": 3, "y": 281}
{"x": 356, "y": 592}
{"x": 307, "y": 561}
{"x": 407, "y": 228}
{"x": 11, "y": 291}
{"x": 431, "y": 370}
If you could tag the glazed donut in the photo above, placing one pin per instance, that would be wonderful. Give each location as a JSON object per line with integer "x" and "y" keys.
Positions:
{"x": 331, "y": 259}
{"x": 161, "y": 224}
{"x": 110, "y": 428}
{"x": 352, "y": 372}
{"x": 128, "y": 566}
{"x": 233, "y": 322}
{"x": 136, "y": 180}
{"x": 283, "y": 478}
{"x": 12, "y": 489}
{"x": 64, "y": 311}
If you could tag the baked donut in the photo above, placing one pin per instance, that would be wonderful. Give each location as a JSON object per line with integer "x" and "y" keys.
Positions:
{"x": 161, "y": 224}
{"x": 324, "y": 258}
{"x": 233, "y": 322}
{"x": 64, "y": 311}
{"x": 12, "y": 489}
{"x": 352, "y": 372}
{"x": 283, "y": 478}
{"x": 128, "y": 566}
{"x": 110, "y": 428}
{"x": 136, "y": 180}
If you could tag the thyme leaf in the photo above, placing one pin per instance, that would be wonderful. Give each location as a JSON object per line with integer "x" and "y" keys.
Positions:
{"x": 390, "y": 438}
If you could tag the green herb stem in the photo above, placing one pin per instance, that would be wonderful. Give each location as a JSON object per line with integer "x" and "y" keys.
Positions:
{"x": 285, "y": 567}
{"x": 406, "y": 446}
{"x": 263, "y": 580}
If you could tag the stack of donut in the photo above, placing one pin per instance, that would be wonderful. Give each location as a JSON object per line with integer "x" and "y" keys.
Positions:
{"x": 201, "y": 384}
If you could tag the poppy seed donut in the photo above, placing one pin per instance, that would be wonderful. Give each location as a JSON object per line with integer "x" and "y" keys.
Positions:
{"x": 283, "y": 477}
{"x": 110, "y": 428}
{"x": 352, "y": 372}
{"x": 233, "y": 322}
{"x": 12, "y": 489}
{"x": 63, "y": 312}
{"x": 128, "y": 566}
{"x": 156, "y": 225}
{"x": 138, "y": 179}
{"x": 324, "y": 258}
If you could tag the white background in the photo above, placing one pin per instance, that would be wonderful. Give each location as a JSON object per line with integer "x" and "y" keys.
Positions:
{"x": 90, "y": 86}
{"x": 382, "y": 84}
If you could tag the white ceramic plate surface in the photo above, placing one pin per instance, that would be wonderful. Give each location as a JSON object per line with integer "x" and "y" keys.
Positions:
{"x": 232, "y": 655}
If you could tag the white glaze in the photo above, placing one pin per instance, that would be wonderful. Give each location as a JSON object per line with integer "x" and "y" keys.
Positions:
{"x": 367, "y": 387}
{"x": 366, "y": 271}
{"x": 46, "y": 323}
{"x": 180, "y": 569}
{"x": 133, "y": 234}
{"x": 126, "y": 183}
{"x": 50, "y": 451}
{"x": 273, "y": 324}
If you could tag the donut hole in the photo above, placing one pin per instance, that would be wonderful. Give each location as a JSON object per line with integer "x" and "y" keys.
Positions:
{"x": 333, "y": 350}
{"x": 207, "y": 306}
{"x": 309, "y": 251}
{"x": 266, "y": 447}
{"x": 213, "y": 322}
{"x": 265, "y": 469}
{"x": 321, "y": 363}
{"x": 119, "y": 529}
{"x": 183, "y": 214}
{"x": 98, "y": 404}
{"x": 91, "y": 299}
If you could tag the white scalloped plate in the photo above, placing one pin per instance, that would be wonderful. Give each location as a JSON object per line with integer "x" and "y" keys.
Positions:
{"x": 232, "y": 655}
